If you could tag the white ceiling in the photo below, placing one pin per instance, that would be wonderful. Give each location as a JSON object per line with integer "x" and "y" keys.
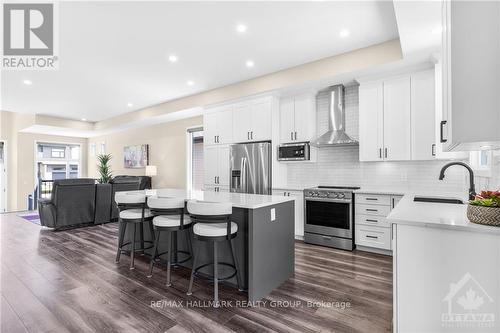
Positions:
{"x": 114, "y": 53}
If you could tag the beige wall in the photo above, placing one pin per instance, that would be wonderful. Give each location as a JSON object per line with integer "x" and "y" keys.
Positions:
{"x": 21, "y": 156}
{"x": 167, "y": 150}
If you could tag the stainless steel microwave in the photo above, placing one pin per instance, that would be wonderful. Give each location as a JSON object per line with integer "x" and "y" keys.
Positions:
{"x": 299, "y": 151}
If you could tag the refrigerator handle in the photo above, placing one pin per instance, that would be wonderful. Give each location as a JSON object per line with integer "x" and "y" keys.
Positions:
{"x": 244, "y": 175}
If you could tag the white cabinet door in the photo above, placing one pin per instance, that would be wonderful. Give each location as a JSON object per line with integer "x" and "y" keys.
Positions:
{"x": 371, "y": 126}
{"x": 423, "y": 139}
{"x": 210, "y": 128}
{"x": 225, "y": 127}
{"x": 223, "y": 165}
{"x": 397, "y": 137}
{"x": 211, "y": 161}
{"x": 287, "y": 120}
{"x": 242, "y": 123}
{"x": 305, "y": 120}
{"x": 261, "y": 121}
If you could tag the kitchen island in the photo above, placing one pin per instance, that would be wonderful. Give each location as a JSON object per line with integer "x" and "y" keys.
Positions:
{"x": 264, "y": 244}
{"x": 446, "y": 270}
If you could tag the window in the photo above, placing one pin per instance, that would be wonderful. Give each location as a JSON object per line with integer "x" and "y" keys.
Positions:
{"x": 57, "y": 153}
{"x": 480, "y": 161}
{"x": 56, "y": 161}
{"x": 195, "y": 159}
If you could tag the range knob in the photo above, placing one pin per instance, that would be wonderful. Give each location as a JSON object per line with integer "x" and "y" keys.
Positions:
{"x": 333, "y": 195}
{"x": 341, "y": 195}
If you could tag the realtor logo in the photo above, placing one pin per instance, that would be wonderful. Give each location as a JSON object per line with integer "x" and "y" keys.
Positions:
{"x": 29, "y": 31}
{"x": 467, "y": 305}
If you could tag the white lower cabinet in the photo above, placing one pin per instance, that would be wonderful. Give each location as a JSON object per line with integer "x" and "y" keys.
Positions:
{"x": 216, "y": 188}
{"x": 372, "y": 230}
{"x": 216, "y": 159}
{"x": 299, "y": 208}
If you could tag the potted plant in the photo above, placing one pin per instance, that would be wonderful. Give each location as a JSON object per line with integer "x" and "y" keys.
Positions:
{"x": 485, "y": 208}
{"x": 104, "y": 168}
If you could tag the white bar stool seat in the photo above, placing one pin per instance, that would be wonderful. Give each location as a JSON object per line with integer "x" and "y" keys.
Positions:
{"x": 134, "y": 213}
{"x": 212, "y": 223}
{"x": 213, "y": 229}
{"x": 169, "y": 216}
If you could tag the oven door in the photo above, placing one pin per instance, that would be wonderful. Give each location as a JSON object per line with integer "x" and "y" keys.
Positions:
{"x": 329, "y": 217}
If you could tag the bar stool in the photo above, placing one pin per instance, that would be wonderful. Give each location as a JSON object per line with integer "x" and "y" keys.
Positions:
{"x": 212, "y": 223}
{"x": 133, "y": 211}
{"x": 169, "y": 217}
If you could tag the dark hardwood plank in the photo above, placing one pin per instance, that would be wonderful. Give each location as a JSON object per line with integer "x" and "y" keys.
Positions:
{"x": 68, "y": 281}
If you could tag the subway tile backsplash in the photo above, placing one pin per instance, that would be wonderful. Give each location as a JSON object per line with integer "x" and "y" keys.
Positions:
{"x": 341, "y": 166}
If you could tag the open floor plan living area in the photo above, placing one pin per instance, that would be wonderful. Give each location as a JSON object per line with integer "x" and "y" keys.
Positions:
{"x": 250, "y": 166}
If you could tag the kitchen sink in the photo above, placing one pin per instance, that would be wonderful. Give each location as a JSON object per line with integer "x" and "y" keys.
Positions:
{"x": 438, "y": 200}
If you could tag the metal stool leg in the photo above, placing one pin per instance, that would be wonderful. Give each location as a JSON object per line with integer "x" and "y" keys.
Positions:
{"x": 190, "y": 244}
{"x": 132, "y": 254}
{"x": 195, "y": 259}
{"x": 120, "y": 240}
{"x": 141, "y": 236}
{"x": 175, "y": 247}
{"x": 216, "y": 280}
{"x": 235, "y": 262}
{"x": 169, "y": 262}
{"x": 155, "y": 251}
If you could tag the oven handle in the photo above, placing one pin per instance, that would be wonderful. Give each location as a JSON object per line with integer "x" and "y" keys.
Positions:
{"x": 347, "y": 201}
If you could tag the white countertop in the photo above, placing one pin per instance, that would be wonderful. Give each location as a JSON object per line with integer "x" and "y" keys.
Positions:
{"x": 378, "y": 190}
{"x": 439, "y": 215}
{"x": 239, "y": 200}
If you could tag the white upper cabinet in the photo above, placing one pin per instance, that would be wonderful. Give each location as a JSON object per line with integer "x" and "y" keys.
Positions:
{"x": 287, "y": 119}
{"x": 252, "y": 121}
{"x": 397, "y": 119}
{"x": 371, "y": 121}
{"x": 217, "y": 126}
{"x": 470, "y": 118}
{"x": 297, "y": 118}
{"x": 423, "y": 105}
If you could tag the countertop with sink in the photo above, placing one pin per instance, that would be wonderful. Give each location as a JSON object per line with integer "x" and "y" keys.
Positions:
{"x": 432, "y": 214}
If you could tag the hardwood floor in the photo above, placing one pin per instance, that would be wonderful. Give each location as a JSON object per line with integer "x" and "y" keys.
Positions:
{"x": 68, "y": 281}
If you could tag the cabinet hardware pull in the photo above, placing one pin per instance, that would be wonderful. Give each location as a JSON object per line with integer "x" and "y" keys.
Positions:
{"x": 248, "y": 135}
{"x": 371, "y": 198}
{"x": 215, "y": 138}
{"x": 380, "y": 153}
{"x": 295, "y": 136}
{"x": 433, "y": 149}
{"x": 385, "y": 152}
{"x": 441, "y": 128}
{"x": 284, "y": 194}
{"x": 393, "y": 203}
{"x": 291, "y": 136}
{"x": 215, "y": 179}
{"x": 371, "y": 210}
{"x": 251, "y": 135}
{"x": 370, "y": 236}
{"x": 326, "y": 237}
{"x": 369, "y": 220}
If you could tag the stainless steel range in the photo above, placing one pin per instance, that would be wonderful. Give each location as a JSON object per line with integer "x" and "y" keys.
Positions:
{"x": 329, "y": 216}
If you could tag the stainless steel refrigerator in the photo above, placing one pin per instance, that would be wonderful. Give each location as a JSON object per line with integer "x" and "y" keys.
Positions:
{"x": 250, "y": 168}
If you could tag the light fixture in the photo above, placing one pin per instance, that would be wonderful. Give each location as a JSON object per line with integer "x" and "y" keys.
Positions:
{"x": 190, "y": 83}
{"x": 173, "y": 58}
{"x": 344, "y": 33}
{"x": 249, "y": 63}
{"x": 241, "y": 28}
{"x": 151, "y": 170}
{"x": 130, "y": 105}
{"x": 28, "y": 82}
{"x": 84, "y": 119}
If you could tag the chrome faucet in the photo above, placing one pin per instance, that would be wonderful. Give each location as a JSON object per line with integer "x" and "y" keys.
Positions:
{"x": 472, "y": 188}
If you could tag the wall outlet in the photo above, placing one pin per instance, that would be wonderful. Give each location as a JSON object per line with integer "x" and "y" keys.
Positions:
{"x": 273, "y": 214}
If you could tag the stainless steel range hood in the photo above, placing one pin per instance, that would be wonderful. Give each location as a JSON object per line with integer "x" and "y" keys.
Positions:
{"x": 335, "y": 136}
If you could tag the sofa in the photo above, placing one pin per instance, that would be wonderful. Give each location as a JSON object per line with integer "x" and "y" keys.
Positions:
{"x": 76, "y": 202}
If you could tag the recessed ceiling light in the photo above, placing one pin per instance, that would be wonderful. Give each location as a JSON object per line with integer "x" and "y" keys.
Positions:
{"x": 241, "y": 28}
{"x": 190, "y": 83}
{"x": 27, "y": 82}
{"x": 344, "y": 33}
{"x": 437, "y": 30}
{"x": 84, "y": 119}
{"x": 249, "y": 63}
{"x": 173, "y": 58}
{"x": 130, "y": 105}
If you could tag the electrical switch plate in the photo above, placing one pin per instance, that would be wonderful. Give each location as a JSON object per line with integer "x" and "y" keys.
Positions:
{"x": 273, "y": 214}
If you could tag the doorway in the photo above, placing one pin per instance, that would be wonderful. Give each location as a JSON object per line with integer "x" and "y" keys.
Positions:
{"x": 195, "y": 160}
